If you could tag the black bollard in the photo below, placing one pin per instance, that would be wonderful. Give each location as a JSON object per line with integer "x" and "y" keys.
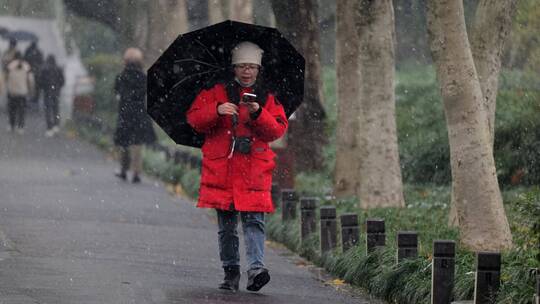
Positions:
{"x": 350, "y": 232}
{"x": 376, "y": 236}
{"x": 488, "y": 274}
{"x": 308, "y": 218}
{"x": 274, "y": 192}
{"x": 407, "y": 242}
{"x": 288, "y": 204}
{"x": 328, "y": 228}
{"x": 442, "y": 271}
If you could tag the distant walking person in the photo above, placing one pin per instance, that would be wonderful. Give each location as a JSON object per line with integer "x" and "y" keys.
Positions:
{"x": 34, "y": 57}
{"x": 19, "y": 84}
{"x": 134, "y": 127}
{"x": 51, "y": 78}
{"x": 9, "y": 54}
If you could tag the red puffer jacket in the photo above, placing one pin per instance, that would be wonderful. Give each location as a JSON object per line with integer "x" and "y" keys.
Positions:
{"x": 244, "y": 180}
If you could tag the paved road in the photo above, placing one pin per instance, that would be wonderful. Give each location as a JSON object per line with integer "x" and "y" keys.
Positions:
{"x": 71, "y": 233}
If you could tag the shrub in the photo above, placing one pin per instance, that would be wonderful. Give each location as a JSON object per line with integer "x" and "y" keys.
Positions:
{"x": 104, "y": 68}
{"x": 410, "y": 281}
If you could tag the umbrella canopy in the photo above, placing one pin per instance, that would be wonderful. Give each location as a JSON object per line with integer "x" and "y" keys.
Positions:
{"x": 201, "y": 58}
{"x": 22, "y": 36}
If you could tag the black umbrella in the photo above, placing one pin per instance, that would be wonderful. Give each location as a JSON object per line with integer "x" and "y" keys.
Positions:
{"x": 201, "y": 58}
{"x": 22, "y": 36}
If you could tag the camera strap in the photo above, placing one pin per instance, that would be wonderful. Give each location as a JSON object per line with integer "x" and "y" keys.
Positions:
{"x": 233, "y": 143}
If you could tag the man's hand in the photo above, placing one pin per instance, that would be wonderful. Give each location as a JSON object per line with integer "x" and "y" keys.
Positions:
{"x": 227, "y": 109}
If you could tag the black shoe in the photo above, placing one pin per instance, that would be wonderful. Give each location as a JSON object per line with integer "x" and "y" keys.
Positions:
{"x": 121, "y": 175}
{"x": 257, "y": 278}
{"x": 232, "y": 278}
{"x": 136, "y": 179}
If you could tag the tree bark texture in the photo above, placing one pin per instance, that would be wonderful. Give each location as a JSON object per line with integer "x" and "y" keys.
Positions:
{"x": 166, "y": 20}
{"x": 217, "y": 11}
{"x": 241, "y": 10}
{"x": 379, "y": 169}
{"x": 262, "y": 13}
{"x": 347, "y": 169}
{"x": 197, "y": 13}
{"x": 298, "y": 21}
{"x": 487, "y": 43}
{"x": 476, "y": 195}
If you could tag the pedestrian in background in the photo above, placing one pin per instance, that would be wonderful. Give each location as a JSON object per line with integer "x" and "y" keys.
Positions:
{"x": 19, "y": 85}
{"x": 9, "y": 54}
{"x": 51, "y": 79}
{"x": 34, "y": 57}
{"x": 134, "y": 128}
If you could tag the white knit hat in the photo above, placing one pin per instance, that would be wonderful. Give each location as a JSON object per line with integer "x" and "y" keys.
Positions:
{"x": 246, "y": 52}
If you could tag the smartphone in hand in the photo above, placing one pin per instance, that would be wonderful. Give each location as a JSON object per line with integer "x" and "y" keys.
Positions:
{"x": 248, "y": 97}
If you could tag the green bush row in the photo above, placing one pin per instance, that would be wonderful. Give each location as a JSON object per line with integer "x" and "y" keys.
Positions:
{"x": 156, "y": 164}
{"x": 104, "y": 68}
{"x": 410, "y": 281}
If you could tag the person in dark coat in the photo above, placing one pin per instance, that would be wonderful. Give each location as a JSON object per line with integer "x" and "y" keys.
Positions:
{"x": 237, "y": 163}
{"x": 34, "y": 57}
{"x": 134, "y": 127}
{"x": 9, "y": 54}
{"x": 51, "y": 78}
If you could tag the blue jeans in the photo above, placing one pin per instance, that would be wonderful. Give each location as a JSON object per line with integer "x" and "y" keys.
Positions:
{"x": 254, "y": 236}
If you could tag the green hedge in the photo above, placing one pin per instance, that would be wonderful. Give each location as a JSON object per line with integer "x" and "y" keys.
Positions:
{"x": 410, "y": 282}
{"x": 104, "y": 68}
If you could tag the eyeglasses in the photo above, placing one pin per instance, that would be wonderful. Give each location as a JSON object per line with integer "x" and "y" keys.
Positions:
{"x": 245, "y": 67}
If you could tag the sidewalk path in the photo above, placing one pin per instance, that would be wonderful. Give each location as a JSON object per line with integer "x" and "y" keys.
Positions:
{"x": 71, "y": 233}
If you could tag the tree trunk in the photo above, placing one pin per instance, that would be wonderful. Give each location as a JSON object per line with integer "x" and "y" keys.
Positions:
{"x": 198, "y": 13}
{"x": 346, "y": 179}
{"x": 297, "y": 20}
{"x": 241, "y": 10}
{"x": 487, "y": 44}
{"x": 262, "y": 13}
{"x": 216, "y": 11}
{"x": 379, "y": 170}
{"x": 482, "y": 219}
{"x": 166, "y": 20}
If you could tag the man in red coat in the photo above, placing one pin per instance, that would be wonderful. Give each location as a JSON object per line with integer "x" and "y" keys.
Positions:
{"x": 237, "y": 161}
